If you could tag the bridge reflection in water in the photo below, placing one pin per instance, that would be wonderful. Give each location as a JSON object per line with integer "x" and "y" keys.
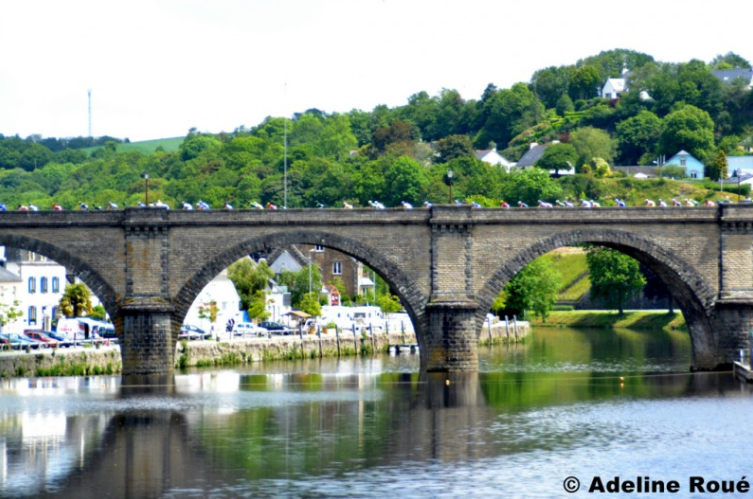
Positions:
{"x": 144, "y": 445}
{"x": 222, "y": 429}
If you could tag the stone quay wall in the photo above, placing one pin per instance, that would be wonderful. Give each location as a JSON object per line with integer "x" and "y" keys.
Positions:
{"x": 208, "y": 353}
{"x": 61, "y": 362}
{"x": 107, "y": 359}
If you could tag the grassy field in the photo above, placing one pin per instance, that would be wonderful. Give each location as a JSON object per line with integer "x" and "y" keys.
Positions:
{"x": 571, "y": 264}
{"x": 602, "y": 319}
{"x": 148, "y": 146}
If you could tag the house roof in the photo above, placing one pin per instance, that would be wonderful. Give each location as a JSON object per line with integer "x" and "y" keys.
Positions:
{"x": 730, "y": 75}
{"x": 618, "y": 84}
{"x": 8, "y": 276}
{"x": 492, "y": 156}
{"x": 532, "y": 155}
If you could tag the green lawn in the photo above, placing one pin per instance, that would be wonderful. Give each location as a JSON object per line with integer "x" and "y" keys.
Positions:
{"x": 605, "y": 319}
{"x": 147, "y": 146}
{"x": 573, "y": 268}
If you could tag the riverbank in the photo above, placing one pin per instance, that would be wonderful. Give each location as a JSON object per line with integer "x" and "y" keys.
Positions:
{"x": 598, "y": 319}
{"x": 236, "y": 352}
{"x": 74, "y": 361}
{"x": 89, "y": 361}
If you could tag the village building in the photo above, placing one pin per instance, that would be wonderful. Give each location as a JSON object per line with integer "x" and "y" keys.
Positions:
{"x": 36, "y": 283}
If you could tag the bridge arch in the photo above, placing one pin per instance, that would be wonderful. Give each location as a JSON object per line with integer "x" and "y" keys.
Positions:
{"x": 414, "y": 300}
{"x": 693, "y": 294}
{"x": 98, "y": 285}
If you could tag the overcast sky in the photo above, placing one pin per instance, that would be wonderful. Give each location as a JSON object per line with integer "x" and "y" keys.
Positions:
{"x": 159, "y": 67}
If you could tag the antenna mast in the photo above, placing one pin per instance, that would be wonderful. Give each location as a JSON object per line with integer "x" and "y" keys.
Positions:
{"x": 285, "y": 157}
{"x": 90, "y": 111}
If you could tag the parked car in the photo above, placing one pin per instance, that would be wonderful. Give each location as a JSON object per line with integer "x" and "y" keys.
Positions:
{"x": 39, "y": 336}
{"x": 62, "y": 340}
{"x": 193, "y": 332}
{"x": 249, "y": 329}
{"x": 20, "y": 341}
{"x": 275, "y": 327}
{"x": 187, "y": 334}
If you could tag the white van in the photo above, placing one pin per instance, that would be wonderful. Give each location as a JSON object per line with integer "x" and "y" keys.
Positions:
{"x": 249, "y": 329}
{"x": 84, "y": 328}
{"x": 71, "y": 329}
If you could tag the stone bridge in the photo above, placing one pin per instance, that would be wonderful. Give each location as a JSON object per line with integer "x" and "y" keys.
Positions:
{"x": 447, "y": 264}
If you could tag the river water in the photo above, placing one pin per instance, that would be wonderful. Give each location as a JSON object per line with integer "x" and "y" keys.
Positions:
{"x": 591, "y": 405}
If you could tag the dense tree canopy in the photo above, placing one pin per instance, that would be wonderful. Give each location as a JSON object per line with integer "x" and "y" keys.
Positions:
{"x": 404, "y": 153}
{"x": 615, "y": 277}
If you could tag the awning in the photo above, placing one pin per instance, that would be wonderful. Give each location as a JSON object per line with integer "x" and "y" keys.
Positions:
{"x": 298, "y": 314}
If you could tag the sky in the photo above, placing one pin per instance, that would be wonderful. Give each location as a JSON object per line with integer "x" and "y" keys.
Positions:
{"x": 157, "y": 68}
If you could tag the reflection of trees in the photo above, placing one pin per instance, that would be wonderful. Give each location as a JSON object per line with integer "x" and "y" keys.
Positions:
{"x": 141, "y": 454}
{"x": 252, "y": 428}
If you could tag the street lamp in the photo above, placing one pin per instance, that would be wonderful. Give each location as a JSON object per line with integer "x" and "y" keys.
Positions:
{"x": 450, "y": 174}
{"x": 146, "y": 187}
{"x": 310, "y": 265}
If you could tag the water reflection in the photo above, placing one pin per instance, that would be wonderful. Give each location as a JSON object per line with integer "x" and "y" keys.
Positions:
{"x": 358, "y": 427}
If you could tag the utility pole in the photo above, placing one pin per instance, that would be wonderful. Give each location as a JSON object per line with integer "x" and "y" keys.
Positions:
{"x": 89, "y": 92}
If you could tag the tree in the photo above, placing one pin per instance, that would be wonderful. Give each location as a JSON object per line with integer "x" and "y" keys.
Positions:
{"x": 718, "y": 167}
{"x": 249, "y": 278}
{"x": 534, "y": 288}
{"x": 405, "y": 180}
{"x": 592, "y": 143}
{"x": 298, "y": 283}
{"x": 615, "y": 277}
{"x": 310, "y": 304}
{"x": 389, "y": 303}
{"x": 585, "y": 83}
{"x": 98, "y": 313}
{"x": 509, "y": 112}
{"x": 257, "y": 308}
{"x": 730, "y": 60}
{"x": 9, "y": 313}
{"x": 690, "y": 129}
{"x": 558, "y": 157}
{"x": 76, "y": 300}
{"x": 209, "y": 311}
{"x": 529, "y": 186}
{"x": 454, "y": 146}
{"x": 637, "y": 136}
{"x": 550, "y": 84}
{"x": 564, "y": 105}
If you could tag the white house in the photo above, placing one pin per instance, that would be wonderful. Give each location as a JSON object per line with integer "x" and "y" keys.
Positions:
{"x": 41, "y": 286}
{"x": 492, "y": 157}
{"x": 222, "y": 292}
{"x": 613, "y": 88}
{"x": 278, "y": 302}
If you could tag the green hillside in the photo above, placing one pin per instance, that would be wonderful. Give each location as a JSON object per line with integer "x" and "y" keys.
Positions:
{"x": 147, "y": 146}
{"x": 572, "y": 266}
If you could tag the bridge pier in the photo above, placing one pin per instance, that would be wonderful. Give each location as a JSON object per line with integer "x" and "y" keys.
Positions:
{"x": 147, "y": 344}
{"x": 451, "y": 342}
{"x": 734, "y": 321}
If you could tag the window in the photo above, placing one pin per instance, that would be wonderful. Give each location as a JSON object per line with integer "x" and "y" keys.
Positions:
{"x": 56, "y": 285}
{"x": 337, "y": 268}
{"x": 32, "y": 315}
{"x": 42, "y": 284}
{"x": 32, "y": 285}
{"x": 683, "y": 161}
{"x": 54, "y": 312}
{"x": 319, "y": 248}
